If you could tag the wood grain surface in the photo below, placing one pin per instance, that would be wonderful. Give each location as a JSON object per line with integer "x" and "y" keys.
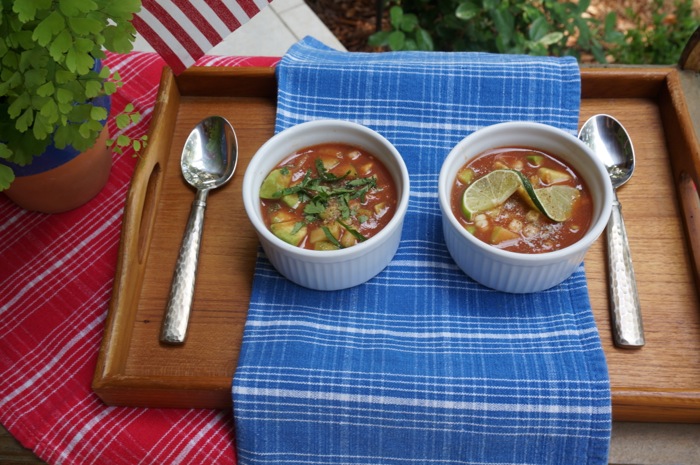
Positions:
{"x": 660, "y": 382}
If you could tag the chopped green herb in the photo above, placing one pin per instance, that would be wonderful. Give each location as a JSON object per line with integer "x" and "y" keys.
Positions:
{"x": 297, "y": 226}
{"x": 314, "y": 208}
{"x": 353, "y": 231}
{"x": 330, "y": 237}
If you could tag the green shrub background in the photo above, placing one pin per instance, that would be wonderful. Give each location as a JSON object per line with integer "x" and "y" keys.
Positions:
{"x": 544, "y": 27}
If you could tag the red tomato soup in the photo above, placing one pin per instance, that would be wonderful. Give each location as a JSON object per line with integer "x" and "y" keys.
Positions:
{"x": 328, "y": 197}
{"x": 517, "y": 224}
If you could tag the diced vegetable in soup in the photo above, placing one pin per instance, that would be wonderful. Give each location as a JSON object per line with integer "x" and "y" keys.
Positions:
{"x": 328, "y": 197}
{"x": 522, "y": 200}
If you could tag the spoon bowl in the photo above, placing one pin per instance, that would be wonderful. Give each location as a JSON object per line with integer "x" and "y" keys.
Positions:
{"x": 609, "y": 140}
{"x": 210, "y": 154}
{"x": 612, "y": 145}
{"x": 208, "y": 161}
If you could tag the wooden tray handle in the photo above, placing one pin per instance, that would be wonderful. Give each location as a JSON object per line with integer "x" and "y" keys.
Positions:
{"x": 690, "y": 57}
{"x": 148, "y": 176}
{"x": 690, "y": 202}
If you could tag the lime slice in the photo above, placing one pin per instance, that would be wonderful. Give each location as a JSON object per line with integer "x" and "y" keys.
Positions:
{"x": 489, "y": 191}
{"x": 556, "y": 202}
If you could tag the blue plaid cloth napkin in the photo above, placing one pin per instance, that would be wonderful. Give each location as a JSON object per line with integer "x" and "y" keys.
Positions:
{"x": 421, "y": 365}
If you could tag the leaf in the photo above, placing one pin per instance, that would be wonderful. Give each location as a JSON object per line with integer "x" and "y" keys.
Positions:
{"x": 85, "y": 130}
{"x": 119, "y": 40}
{"x": 46, "y": 89}
{"x": 50, "y": 26}
{"x": 98, "y": 113}
{"x": 25, "y": 121}
{"x": 11, "y": 60}
{"x": 64, "y": 95}
{"x": 551, "y": 38}
{"x": 109, "y": 87}
{"x": 42, "y": 128}
{"x": 34, "y": 78}
{"x": 538, "y": 28}
{"x": 379, "y": 39}
{"x": 63, "y": 136}
{"x": 26, "y": 9}
{"x": 50, "y": 111}
{"x": 122, "y": 120}
{"x": 75, "y": 7}
{"x": 60, "y": 45}
{"x": 397, "y": 40}
{"x": 85, "y": 26}
{"x": 93, "y": 88}
{"x": 504, "y": 23}
{"x": 5, "y": 151}
{"x": 395, "y": 16}
{"x": 122, "y": 9}
{"x": 104, "y": 72}
{"x": 610, "y": 22}
{"x": 123, "y": 140}
{"x": 409, "y": 22}
{"x": 85, "y": 45}
{"x": 78, "y": 62}
{"x": 467, "y": 10}
{"x": 10, "y": 83}
{"x": 424, "y": 40}
{"x": 583, "y": 31}
{"x": 6, "y": 174}
{"x": 19, "y": 105}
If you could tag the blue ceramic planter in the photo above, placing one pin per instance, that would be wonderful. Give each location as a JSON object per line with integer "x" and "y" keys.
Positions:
{"x": 54, "y": 157}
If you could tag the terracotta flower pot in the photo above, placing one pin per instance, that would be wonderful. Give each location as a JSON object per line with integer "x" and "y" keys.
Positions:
{"x": 61, "y": 180}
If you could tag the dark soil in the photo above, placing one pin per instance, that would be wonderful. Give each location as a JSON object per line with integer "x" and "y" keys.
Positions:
{"x": 351, "y": 21}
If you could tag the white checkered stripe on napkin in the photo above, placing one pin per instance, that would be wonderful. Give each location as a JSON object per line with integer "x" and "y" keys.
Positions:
{"x": 421, "y": 364}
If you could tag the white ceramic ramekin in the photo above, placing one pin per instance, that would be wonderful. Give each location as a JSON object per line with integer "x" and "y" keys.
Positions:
{"x": 518, "y": 272}
{"x": 329, "y": 269}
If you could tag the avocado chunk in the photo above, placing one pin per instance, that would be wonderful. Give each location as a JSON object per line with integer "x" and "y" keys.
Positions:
{"x": 274, "y": 182}
{"x": 550, "y": 176}
{"x": 501, "y": 234}
{"x": 292, "y": 200}
{"x": 325, "y": 245}
{"x": 466, "y": 176}
{"x": 292, "y": 232}
{"x": 535, "y": 160}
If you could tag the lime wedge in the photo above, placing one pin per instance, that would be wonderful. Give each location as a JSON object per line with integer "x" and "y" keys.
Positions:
{"x": 557, "y": 202}
{"x": 489, "y": 191}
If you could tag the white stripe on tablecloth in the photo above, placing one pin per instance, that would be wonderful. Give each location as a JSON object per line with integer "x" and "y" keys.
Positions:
{"x": 166, "y": 36}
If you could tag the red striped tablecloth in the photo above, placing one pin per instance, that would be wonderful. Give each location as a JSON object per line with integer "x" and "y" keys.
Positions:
{"x": 182, "y": 31}
{"x": 56, "y": 274}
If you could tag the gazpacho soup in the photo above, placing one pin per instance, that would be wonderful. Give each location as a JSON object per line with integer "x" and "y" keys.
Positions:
{"x": 522, "y": 200}
{"x": 328, "y": 197}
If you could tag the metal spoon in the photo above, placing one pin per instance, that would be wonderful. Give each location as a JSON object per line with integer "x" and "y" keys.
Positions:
{"x": 208, "y": 161}
{"x": 613, "y": 146}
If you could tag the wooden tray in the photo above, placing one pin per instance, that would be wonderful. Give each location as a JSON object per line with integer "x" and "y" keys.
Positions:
{"x": 660, "y": 382}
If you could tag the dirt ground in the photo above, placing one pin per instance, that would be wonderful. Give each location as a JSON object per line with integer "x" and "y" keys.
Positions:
{"x": 353, "y": 21}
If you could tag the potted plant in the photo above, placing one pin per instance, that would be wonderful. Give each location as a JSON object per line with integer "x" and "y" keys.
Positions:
{"x": 55, "y": 92}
